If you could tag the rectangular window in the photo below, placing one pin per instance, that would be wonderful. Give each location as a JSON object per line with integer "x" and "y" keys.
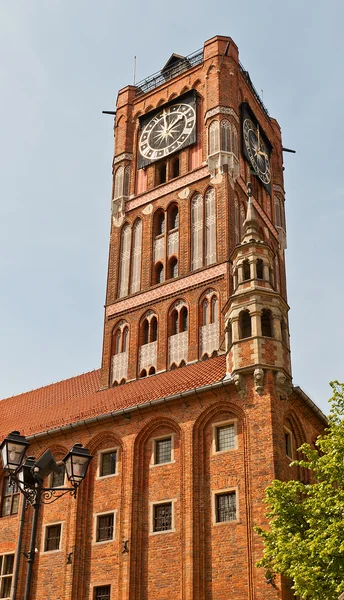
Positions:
{"x": 108, "y": 463}
{"x": 10, "y": 498}
{"x": 162, "y": 516}
{"x": 58, "y": 479}
{"x": 104, "y": 528}
{"x": 6, "y": 574}
{"x": 52, "y": 537}
{"x": 225, "y": 437}
{"x": 101, "y": 592}
{"x": 225, "y": 507}
{"x": 163, "y": 451}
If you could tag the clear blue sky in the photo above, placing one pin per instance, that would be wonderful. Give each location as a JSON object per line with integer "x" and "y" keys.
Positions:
{"x": 62, "y": 63}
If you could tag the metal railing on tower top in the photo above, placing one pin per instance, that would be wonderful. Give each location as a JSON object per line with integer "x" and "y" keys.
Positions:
{"x": 153, "y": 81}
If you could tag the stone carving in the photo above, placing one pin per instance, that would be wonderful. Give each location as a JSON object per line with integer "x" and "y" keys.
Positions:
{"x": 240, "y": 384}
{"x": 258, "y": 377}
{"x": 283, "y": 385}
{"x": 123, "y": 156}
{"x": 224, "y": 110}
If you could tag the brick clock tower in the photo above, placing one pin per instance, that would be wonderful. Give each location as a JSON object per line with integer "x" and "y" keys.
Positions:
{"x": 193, "y": 412}
{"x": 195, "y": 269}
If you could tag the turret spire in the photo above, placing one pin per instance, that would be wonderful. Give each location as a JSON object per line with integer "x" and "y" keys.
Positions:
{"x": 251, "y": 222}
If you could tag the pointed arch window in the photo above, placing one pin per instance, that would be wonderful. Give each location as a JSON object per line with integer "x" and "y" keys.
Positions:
{"x": 119, "y": 353}
{"x": 209, "y": 324}
{"x": 178, "y": 339}
{"x": 135, "y": 279}
{"x": 246, "y": 270}
{"x": 119, "y": 182}
{"x": 173, "y": 217}
{"x": 245, "y": 327}
{"x": 196, "y": 232}
{"x": 148, "y": 345}
{"x": 225, "y": 136}
{"x": 210, "y": 227}
{"x": 213, "y": 138}
{"x": 126, "y": 182}
{"x": 124, "y": 263}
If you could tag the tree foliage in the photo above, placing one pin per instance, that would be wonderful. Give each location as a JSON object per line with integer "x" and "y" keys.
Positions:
{"x": 305, "y": 541}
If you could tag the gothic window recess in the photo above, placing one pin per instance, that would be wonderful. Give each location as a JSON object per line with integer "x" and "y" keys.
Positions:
{"x": 129, "y": 277}
{"x": 120, "y": 353}
{"x": 149, "y": 345}
{"x": 223, "y": 148}
{"x": 209, "y": 329}
{"x": 203, "y": 230}
{"x": 178, "y": 338}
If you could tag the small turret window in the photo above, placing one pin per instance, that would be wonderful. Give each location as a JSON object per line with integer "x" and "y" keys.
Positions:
{"x": 245, "y": 328}
{"x": 260, "y": 269}
{"x": 266, "y": 320}
{"x": 246, "y": 270}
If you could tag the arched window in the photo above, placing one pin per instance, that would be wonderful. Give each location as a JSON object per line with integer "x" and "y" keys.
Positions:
{"x": 196, "y": 232}
{"x": 124, "y": 262}
{"x": 229, "y": 336}
{"x": 184, "y": 319}
{"x": 119, "y": 182}
{"x": 159, "y": 273}
{"x": 245, "y": 329}
{"x": 151, "y": 371}
{"x": 214, "y": 309}
{"x": 126, "y": 183}
{"x": 119, "y": 353}
{"x": 246, "y": 270}
{"x": 173, "y": 268}
{"x": 225, "y": 136}
{"x": 175, "y": 322}
{"x": 213, "y": 137}
{"x": 172, "y": 217}
{"x": 143, "y": 373}
{"x": 153, "y": 329}
{"x": 210, "y": 227}
{"x": 266, "y": 321}
{"x": 206, "y": 312}
{"x": 260, "y": 269}
{"x": 135, "y": 279}
{"x": 146, "y": 331}
{"x": 159, "y": 222}
{"x": 236, "y": 221}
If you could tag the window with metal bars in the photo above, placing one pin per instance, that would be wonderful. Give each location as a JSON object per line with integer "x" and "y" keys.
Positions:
{"x": 108, "y": 463}
{"x": 225, "y": 507}
{"x": 52, "y": 537}
{"x": 163, "y": 451}
{"x": 10, "y": 498}
{"x": 101, "y": 592}
{"x": 225, "y": 437}
{"x": 162, "y": 516}
{"x": 6, "y": 574}
{"x": 104, "y": 529}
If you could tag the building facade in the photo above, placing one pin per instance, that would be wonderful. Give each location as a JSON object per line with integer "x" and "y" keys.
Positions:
{"x": 193, "y": 411}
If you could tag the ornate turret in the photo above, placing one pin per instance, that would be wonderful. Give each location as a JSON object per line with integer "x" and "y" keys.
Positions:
{"x": 256, "y": 315}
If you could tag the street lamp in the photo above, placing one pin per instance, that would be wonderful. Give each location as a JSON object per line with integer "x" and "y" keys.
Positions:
{"x": 28, "y": 474}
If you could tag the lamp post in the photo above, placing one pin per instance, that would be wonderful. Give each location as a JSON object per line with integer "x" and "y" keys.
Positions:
{"x": 28, "y": 474}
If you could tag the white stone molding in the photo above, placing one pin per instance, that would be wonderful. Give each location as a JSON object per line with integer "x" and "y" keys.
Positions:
{"x": 178, "y": 348}
{"x": 223, "y": 110}
{"x": 123, "y": 156}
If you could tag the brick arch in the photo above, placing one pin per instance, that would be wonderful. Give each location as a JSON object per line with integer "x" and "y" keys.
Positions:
{"x": 161, "y": 101}
{"x": 98, "y": 440}
{"x": 140, "y": 495}
{"x": 201, "y": 484}
{"x": 196, "y": 83}
{"x": 59, "y": 451}
{"x": 148, "y": 108}
{"x": 184, "y": 89}
{"x": 172, "y": 96}
{"x": 174, "y": 304}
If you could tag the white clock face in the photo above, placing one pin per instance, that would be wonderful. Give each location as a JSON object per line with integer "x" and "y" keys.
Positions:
{"x": 257, "y": 151}
{"x": 167, "y": 131}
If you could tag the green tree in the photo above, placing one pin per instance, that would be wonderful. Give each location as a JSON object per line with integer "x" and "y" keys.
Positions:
{"x": 305, "y": 540}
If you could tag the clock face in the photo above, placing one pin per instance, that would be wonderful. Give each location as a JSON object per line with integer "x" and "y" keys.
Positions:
{"x": 167, "y": 131}
{"x": 257, "y": 151}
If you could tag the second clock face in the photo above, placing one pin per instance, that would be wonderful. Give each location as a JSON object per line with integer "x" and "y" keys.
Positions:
{"x": 167, "y": 131}
{"x": 257, "y": 150}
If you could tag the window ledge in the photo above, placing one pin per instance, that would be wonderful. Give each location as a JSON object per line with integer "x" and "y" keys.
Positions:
{"x": 162, "y": 532}
{"x": 170, "y": 462}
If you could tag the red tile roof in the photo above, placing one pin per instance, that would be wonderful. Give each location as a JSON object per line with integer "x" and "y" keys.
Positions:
{"x": 78, "y": 398}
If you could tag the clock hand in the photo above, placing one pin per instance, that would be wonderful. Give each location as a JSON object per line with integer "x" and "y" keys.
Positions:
{"x": 175, "y": 121}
